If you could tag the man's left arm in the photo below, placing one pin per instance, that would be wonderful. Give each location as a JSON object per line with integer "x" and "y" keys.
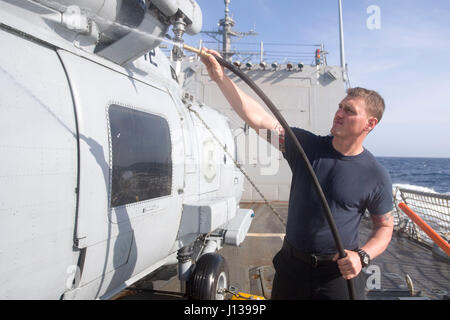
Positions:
{"x": 382, "y": 227}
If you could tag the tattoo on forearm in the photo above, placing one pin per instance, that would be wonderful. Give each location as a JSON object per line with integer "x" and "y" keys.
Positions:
{"x": 383, "y": 218}
{"x": 279, "y": 132}
{"x": 281, "y": 143}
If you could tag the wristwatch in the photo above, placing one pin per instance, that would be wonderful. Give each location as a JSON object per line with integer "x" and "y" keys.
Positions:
{"x": 364, "y": 256}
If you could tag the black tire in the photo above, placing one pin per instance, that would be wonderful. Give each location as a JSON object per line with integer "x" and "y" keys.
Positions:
{"x": 210, "y": 275}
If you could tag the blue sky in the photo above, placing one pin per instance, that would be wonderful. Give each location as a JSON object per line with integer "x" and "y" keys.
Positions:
{"x": 405, "y": 60}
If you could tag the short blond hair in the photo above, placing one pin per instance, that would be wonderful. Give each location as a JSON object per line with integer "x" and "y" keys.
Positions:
{"x": 374, "y": 102}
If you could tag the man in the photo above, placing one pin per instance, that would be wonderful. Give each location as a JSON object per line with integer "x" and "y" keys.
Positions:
{"x": 307, "y": 266}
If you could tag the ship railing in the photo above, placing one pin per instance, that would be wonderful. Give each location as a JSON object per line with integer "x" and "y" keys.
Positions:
{"x": 433, "y": 208}
{"x": 269, "y": 52}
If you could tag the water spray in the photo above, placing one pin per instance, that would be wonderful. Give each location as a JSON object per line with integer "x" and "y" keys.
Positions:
{"x": 298, "y": 147}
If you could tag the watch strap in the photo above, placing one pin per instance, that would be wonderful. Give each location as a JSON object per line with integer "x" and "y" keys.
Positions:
{"x": 362, "y": 256}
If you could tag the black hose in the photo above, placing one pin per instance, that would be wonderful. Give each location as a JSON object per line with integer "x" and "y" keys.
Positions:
{"x": 288, "y": 130}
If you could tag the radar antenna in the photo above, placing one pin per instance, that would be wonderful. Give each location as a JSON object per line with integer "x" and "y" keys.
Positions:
{"x": 225, "y": 30}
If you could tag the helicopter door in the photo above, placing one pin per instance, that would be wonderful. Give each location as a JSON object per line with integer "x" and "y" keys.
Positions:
{"x": 130, "y": 172}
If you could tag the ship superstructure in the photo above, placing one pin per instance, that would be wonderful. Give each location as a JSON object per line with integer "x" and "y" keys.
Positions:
{"x": 306, "y": 93}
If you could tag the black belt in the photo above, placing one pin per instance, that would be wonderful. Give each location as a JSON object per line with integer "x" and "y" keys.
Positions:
{"x": 311, "y": 259}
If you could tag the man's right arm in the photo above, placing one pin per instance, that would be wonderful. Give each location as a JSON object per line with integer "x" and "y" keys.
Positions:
{"x": 245, "y": 106}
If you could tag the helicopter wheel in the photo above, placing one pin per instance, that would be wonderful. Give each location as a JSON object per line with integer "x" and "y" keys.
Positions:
{"x": 209, "y": 278}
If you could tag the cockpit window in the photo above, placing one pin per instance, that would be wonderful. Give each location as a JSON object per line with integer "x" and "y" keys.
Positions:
{"x": 141, "y": 156}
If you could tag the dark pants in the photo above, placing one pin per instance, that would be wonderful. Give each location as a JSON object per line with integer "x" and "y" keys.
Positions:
{"x": 297, "y": 280}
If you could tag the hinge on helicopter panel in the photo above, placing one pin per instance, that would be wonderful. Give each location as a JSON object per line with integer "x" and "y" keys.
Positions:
{"x": 187, "y": 99}
{"x": 79, "y": 242}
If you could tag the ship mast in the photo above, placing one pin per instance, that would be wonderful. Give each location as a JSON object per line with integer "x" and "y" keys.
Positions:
{"x": 226, "y": 31}
{"x": 341, "y": 42}
{"x": 227, "y": 23}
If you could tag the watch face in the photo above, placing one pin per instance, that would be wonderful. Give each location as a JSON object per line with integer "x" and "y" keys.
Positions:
{"x": 366, "y": 259}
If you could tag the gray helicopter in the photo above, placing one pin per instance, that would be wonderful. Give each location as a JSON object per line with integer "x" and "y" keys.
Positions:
{"x": 109, "y": 170}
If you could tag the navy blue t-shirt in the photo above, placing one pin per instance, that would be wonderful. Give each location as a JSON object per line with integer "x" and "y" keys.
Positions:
{"x": 351, "y": 185}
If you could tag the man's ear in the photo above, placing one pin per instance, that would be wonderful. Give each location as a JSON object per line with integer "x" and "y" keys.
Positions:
{"x": 371, "y": 123}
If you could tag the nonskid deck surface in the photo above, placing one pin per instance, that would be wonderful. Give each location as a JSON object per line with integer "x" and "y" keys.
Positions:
{"x": 251, "y": 269}
{"x": 430, "y": 273}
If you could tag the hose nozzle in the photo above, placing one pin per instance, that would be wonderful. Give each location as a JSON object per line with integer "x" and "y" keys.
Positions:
{"x": 200, "y": 52}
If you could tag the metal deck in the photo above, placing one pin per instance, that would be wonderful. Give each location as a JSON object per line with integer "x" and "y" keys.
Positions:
{"x": 251, "y": 268}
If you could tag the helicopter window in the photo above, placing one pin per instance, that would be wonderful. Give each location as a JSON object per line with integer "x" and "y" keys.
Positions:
{"x": 141, "y": 156}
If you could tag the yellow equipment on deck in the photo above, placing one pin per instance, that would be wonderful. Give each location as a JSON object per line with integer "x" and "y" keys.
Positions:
{"x": 242, "y": 295}
{"x": 246, "y": 296}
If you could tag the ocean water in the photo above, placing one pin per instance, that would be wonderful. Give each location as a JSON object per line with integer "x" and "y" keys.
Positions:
{"x": 424, "y": 174}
